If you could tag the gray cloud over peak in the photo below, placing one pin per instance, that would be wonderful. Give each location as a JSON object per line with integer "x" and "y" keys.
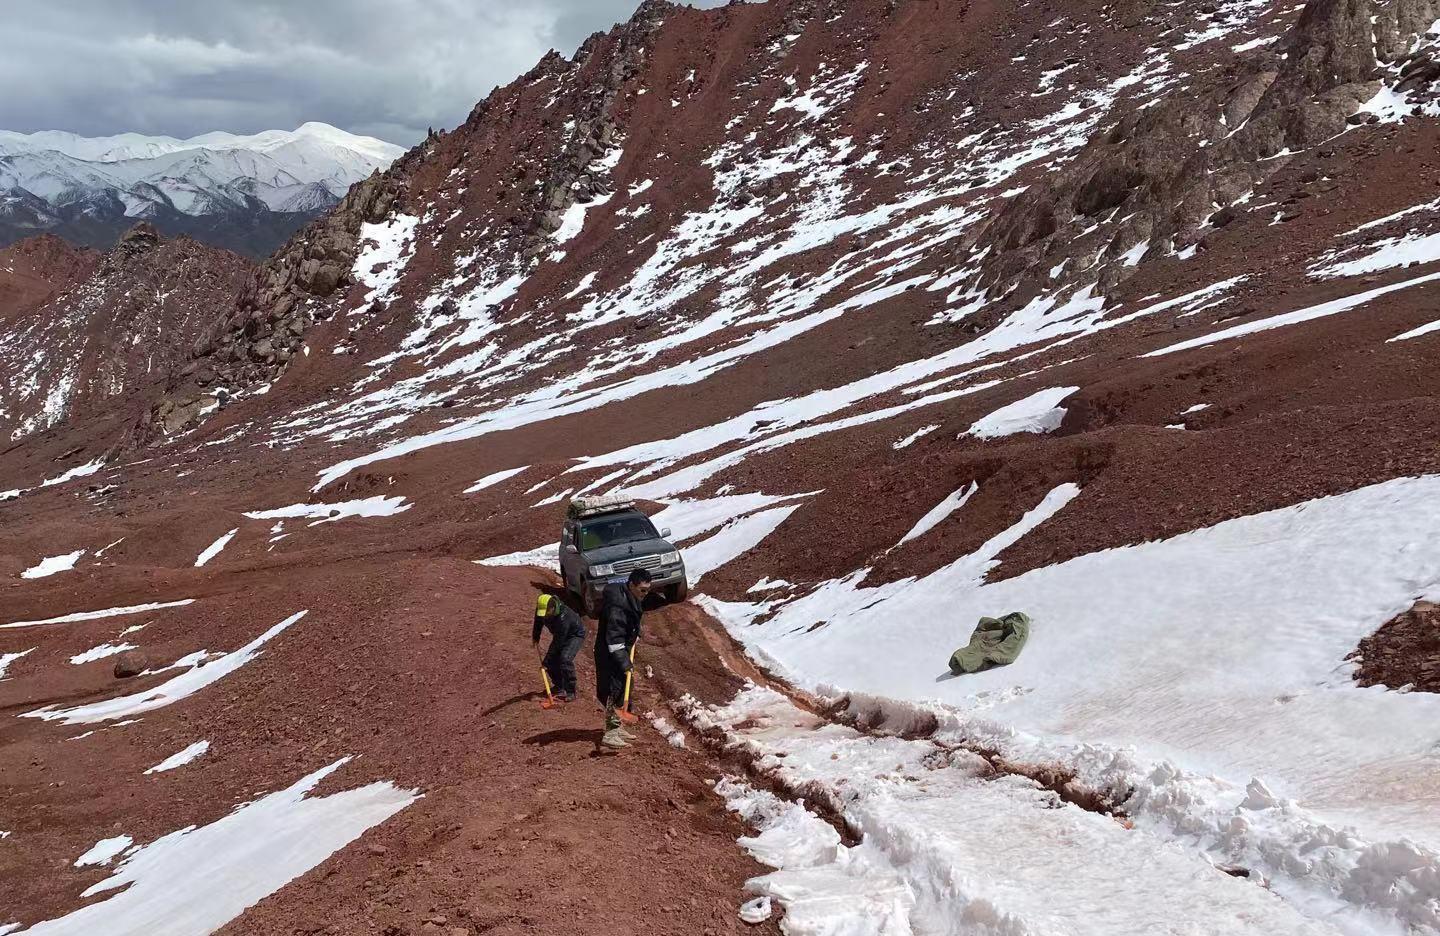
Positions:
{"x": 387, "y": 68}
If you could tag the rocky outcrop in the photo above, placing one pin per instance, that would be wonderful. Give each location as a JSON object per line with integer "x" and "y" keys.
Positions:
{"x": 37, "y": 268}
{"x": 567, "y": 176}
{"x": 1163, "y": 170}
{"x": 131, "y": 663}
{"x": 300, "y": 284}
{"x": 117, "y": 323}
{"x": 254, "y": 342}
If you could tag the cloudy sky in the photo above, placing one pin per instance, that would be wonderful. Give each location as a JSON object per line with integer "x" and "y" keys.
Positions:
{"x": 388, "y": 68}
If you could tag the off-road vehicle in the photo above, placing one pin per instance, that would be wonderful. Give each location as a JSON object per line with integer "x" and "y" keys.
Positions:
{"x": 604, "y": 539}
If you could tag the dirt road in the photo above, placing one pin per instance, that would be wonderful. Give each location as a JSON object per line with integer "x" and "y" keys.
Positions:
{"x": 422, "y": 667}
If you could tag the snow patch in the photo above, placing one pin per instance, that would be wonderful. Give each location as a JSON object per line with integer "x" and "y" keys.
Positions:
{"x": 79, "y": 471}
{"x": 181, "y": 758}
{"x": 213, "y": 550}
{"x": 1333, "y": 307}
{"x": 101, "y": 652}
{"x": 947, "y": 846}
{"x": 732, "y": 541}
{"x": 108, "y": 612}
{"x": 6, "y": 659}
{"x": 1425, "y": 329}
{"x": 171, "y": 691}
{"x": 1040, "y": 412}
{"x": 491, "y": 480}
{"x": 941, "y": 510}
{"x": 104, "y": 851}
{"x": 167, "y": 887}
{"x": 385, "y": 250}
{"x": 377, "y": 506}
{"x": 1188, "y": 722}
{"x": 915, "y": 436}
{"x": 1387, "y": 254}
{"x": 52, "y": 565}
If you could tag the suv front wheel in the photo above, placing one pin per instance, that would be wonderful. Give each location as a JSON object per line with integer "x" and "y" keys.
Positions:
{"x": 677, "y": 593}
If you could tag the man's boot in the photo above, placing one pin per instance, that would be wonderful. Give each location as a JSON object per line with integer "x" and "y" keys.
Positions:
{"x": 613, "y": 739}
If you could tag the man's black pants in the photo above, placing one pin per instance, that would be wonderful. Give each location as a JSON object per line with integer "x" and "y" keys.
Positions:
{"x": 560, "y": 660}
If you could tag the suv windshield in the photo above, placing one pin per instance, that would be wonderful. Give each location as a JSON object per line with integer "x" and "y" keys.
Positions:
{"x": 613, "y": 531}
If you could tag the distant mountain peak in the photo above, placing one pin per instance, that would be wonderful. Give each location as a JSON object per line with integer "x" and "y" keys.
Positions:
{"x": 245, "y": 192}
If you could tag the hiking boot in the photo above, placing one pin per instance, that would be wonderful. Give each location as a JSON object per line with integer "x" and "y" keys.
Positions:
{"x": 624, "y": 734}
{"x": 612, "y": 740}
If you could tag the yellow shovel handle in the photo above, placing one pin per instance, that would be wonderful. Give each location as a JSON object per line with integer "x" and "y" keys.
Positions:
{"x": 546, "y": 677}
{"x": 629, "y": 673}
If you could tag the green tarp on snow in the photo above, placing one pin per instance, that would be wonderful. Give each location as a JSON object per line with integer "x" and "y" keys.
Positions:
{"x": 996, "y": 642}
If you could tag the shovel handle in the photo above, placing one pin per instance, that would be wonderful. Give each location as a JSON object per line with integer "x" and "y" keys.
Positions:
{"x": 628, "y": 674}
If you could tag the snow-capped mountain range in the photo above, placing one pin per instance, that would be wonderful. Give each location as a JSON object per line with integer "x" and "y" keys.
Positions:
{"x": 217, "y": 184}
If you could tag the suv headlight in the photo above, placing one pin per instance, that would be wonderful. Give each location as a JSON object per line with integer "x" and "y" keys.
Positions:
{"x": 670, "y": 558}
{"x": 602, "y": 570}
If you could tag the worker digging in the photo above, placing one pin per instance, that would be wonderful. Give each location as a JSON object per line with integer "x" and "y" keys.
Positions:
{"x": 567, "y": 634}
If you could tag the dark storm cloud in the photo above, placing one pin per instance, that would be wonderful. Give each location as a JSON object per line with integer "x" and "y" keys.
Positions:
{"x": 388, "y": 68}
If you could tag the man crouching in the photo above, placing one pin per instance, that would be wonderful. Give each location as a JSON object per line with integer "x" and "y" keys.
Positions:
{"x": 567, "y": 634}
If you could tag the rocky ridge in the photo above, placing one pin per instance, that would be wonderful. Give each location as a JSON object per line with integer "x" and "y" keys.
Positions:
{"x": 110, "y": 325}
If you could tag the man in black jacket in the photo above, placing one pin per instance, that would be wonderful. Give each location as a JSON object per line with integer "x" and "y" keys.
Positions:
{"x": 567, "y": 633}
{"x": 620, "y": 609}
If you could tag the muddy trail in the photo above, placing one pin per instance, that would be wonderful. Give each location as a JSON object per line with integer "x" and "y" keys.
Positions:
{"x": 422, "y": 666}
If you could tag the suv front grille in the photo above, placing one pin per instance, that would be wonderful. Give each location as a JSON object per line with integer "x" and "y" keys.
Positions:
{"x": 639, "y": 562}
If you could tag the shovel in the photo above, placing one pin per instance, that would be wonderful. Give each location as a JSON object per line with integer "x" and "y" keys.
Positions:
{"x": 549, "y": 701}
{"x": 625, "y": 714}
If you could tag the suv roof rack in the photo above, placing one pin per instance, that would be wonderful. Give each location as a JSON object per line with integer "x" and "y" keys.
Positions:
{"x": 589, "y": 506}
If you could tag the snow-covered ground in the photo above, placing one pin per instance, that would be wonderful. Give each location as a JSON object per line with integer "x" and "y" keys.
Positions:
{"x": 200, "y": 671}
{"x": 100, "y": 652}
{"x": 950, "y": 847}
{"x": 1201, "y": 680}
{"x": 168, "y": 887}
{"x": 53, "y": 564}
{"x": 377, "y": 506}
{"x": 213, "y": 550}
{"x": 180, "y": 758}
{"x": 104, "y": 613}
{"x": 1039, "y": 412}
{"x": 8, "y": 659}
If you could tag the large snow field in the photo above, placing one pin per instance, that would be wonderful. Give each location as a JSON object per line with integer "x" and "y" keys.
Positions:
{"x": 1205, "y": 673}
{"x": 168, "y": 887}
{"x": 948, "y": 847}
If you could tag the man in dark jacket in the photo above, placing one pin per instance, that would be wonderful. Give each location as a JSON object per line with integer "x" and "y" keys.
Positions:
{"x": 620, "y": 609}
{"x": 567, "y": 633}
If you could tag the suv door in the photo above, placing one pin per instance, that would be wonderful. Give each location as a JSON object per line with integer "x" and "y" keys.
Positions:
{"x": 568, "y": 558}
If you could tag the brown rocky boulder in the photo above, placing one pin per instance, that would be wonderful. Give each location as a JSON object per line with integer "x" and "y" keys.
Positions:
{"x": 131, "y": 663}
